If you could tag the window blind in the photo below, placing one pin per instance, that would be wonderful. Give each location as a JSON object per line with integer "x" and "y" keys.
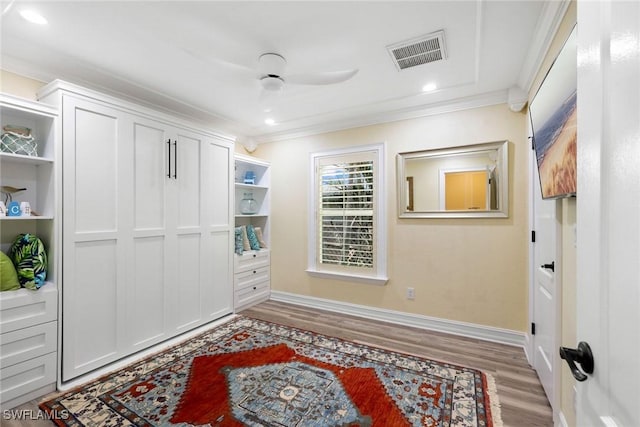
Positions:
{"x": 346, "y": 222}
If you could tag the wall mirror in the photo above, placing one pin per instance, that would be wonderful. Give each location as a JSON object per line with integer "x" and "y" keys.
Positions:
{"x": 458, "y": 182}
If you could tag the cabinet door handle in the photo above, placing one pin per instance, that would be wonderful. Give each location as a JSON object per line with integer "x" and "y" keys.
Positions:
{"x": 169, "y": 158}
{"x": 254, "y": 272}
{"x": 175, "y": 159}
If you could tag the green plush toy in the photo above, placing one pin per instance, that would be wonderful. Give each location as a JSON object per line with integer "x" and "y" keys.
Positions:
{"x": 30, "y": 258}
{"x": 8, "y": 276}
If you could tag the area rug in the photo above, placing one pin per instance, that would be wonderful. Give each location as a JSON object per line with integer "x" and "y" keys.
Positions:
{"x": 256, "y": 373}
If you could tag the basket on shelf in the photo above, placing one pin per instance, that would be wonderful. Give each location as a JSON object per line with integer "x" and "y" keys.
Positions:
{"x": 18, "y": 140}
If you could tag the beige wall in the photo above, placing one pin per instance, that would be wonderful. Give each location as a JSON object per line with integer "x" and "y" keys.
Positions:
{"x": 567, "y": 238}
{"x": 468, "y": 270}
{"x": 17, "y": 85}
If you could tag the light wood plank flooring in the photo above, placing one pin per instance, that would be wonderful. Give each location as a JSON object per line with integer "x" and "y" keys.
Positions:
{"x": 521, "y": 396}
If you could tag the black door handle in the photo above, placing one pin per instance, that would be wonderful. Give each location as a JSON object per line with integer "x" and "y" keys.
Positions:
{"x": 582, "y": 355}
{"x": 551, "y": 266}
{"x": 169, "y": 154}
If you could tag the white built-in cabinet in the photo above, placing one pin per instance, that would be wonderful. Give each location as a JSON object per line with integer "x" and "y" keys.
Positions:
{"x": 252, "y": 269}
{"x": 28, "y": 318}
{"x": 147, "y": 229}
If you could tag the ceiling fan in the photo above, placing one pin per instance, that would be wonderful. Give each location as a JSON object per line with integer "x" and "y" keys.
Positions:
{"x": 272, "y": 75}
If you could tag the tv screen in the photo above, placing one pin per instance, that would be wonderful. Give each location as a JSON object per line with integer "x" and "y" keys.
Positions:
{"x": 554, "y": 122}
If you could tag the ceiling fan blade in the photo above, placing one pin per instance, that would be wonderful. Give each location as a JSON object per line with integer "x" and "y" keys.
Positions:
{"x": 223, "y": 63}
{"x": 326, "y": 78}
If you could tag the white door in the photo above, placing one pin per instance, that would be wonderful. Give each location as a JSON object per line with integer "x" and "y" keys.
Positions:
{"x": 608, "y": 212}
{"x": 546, "y": 265}
{"x": 147, "y": 299}
{"x": 95, "y": 156}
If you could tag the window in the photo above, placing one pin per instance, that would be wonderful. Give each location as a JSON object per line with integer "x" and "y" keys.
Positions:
{"x": 347, "y": 227}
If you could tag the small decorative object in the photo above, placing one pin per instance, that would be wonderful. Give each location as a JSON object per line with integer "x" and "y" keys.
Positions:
{"x": 3, "y": 209}
{"x": 13, "y": 209}
{"x": 248, "y": 206}
{"x": 9, "y": 191}
{"x": 250, "y": 177}
{"x": 18, "y": 140}
{"x": 25, "y": 207}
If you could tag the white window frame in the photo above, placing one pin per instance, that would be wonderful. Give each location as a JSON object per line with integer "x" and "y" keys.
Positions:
{"x": 379, "y": 274}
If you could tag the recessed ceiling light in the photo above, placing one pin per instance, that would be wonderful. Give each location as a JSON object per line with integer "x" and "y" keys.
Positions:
{"x": 429, "y": 87}
{"x": 33, "y": 17}
{"x": 270, "y": 122}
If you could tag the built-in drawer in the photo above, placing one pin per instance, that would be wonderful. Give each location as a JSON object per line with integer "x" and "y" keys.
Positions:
{"x": 27, "y": 376}
{"x": 251, "y": 278}
{"x": 251, "y": 294}
{"x": 24, "y": 344}
{"x": 24, "y": 307}
{"x": 251, "y": 260}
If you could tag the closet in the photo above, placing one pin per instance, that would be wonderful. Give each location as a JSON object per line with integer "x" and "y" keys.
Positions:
{"x": 147, "y": 227}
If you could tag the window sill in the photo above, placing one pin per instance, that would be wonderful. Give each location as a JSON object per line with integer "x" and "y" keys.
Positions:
{"x": 380, "y": 281}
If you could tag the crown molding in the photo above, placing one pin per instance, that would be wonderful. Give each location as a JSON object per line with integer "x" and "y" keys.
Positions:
{"x": 466, "y": 103}
{"x": 548, "y": 23}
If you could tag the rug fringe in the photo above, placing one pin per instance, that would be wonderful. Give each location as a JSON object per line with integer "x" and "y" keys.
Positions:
{"x": 496, "y": 409}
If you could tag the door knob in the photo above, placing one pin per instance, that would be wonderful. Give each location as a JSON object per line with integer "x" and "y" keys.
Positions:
{"x": 551, "y": 266}
{"x": 581, "y": 355}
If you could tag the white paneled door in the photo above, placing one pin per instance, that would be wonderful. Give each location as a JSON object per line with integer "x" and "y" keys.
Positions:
{"x": 546, "y": 269}
{"x": 608, "y": 283}
{"x": 92, "y": 236}
{"x": 147, "y": 232}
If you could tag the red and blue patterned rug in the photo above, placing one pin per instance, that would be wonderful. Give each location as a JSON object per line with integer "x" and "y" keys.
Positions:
{"x": 256, "y": 373}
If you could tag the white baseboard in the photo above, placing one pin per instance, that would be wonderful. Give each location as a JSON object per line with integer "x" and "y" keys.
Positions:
{"x": 528, "y": 351}
{"x": 470, "y": 330}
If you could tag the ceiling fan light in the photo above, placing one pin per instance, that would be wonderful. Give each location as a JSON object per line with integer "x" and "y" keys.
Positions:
{"x": 272, "y": 84}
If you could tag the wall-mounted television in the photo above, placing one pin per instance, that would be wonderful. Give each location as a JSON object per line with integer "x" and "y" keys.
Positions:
{"x": 554, "y": 122}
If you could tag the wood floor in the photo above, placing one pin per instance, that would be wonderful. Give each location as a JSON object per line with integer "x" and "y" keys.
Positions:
{"x": 523, "y": 402}
{"x": 522, "y": 399}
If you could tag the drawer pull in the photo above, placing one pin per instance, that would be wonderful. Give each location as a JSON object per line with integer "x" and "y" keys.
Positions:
{"x": 254, "y": 288}
{"x": 254, "y": 255}
{"x": 254, "y": 272}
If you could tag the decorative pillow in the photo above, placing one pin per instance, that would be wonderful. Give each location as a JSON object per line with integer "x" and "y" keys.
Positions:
{"x": 253, "y": 240}
{"x": 30, "y": 258}
{"x": 258, "y": 231}
{"x": 245, "y": 239}
{"x": 8, "y": 276}
{"x": 239, "y": 242}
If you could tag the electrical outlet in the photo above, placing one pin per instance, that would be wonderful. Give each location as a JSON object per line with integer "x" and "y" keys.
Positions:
{"x": 411, "y": 293}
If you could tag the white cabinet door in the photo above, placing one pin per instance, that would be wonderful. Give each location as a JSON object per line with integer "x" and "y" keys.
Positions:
{"x": 94, "y": 179}
{"x": 218, "y": 292}
{"x": 147, "y": 232}
{"x": 147, "y": 300}
{"x": 186, "y": 230}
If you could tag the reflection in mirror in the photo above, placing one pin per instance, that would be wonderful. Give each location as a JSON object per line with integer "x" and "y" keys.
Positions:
{"x": 469, "y": 181}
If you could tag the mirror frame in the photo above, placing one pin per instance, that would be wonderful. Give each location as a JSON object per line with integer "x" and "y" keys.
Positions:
{"x": 502, "y": 148}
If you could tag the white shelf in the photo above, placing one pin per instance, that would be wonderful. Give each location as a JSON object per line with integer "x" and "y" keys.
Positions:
{"x": 251, "y": 215}
{"x": 251, "y": 186}
{"x": 25, "y": 218}
{"x": 26, "y": 160}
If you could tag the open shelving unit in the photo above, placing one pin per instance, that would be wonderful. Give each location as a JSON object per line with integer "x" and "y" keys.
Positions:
{"x": 252, "y": 269}
{"x": 28, "y": 319}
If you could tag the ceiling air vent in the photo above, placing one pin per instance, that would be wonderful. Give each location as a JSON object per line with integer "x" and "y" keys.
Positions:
{"x": 418, "y": 51}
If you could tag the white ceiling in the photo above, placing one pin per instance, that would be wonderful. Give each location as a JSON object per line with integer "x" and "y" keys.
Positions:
{"x": 173, "y": 54}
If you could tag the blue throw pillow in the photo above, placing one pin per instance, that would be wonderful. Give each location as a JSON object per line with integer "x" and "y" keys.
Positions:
{"x": 253, "y": 240}
{"x": 239, "y": 242}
